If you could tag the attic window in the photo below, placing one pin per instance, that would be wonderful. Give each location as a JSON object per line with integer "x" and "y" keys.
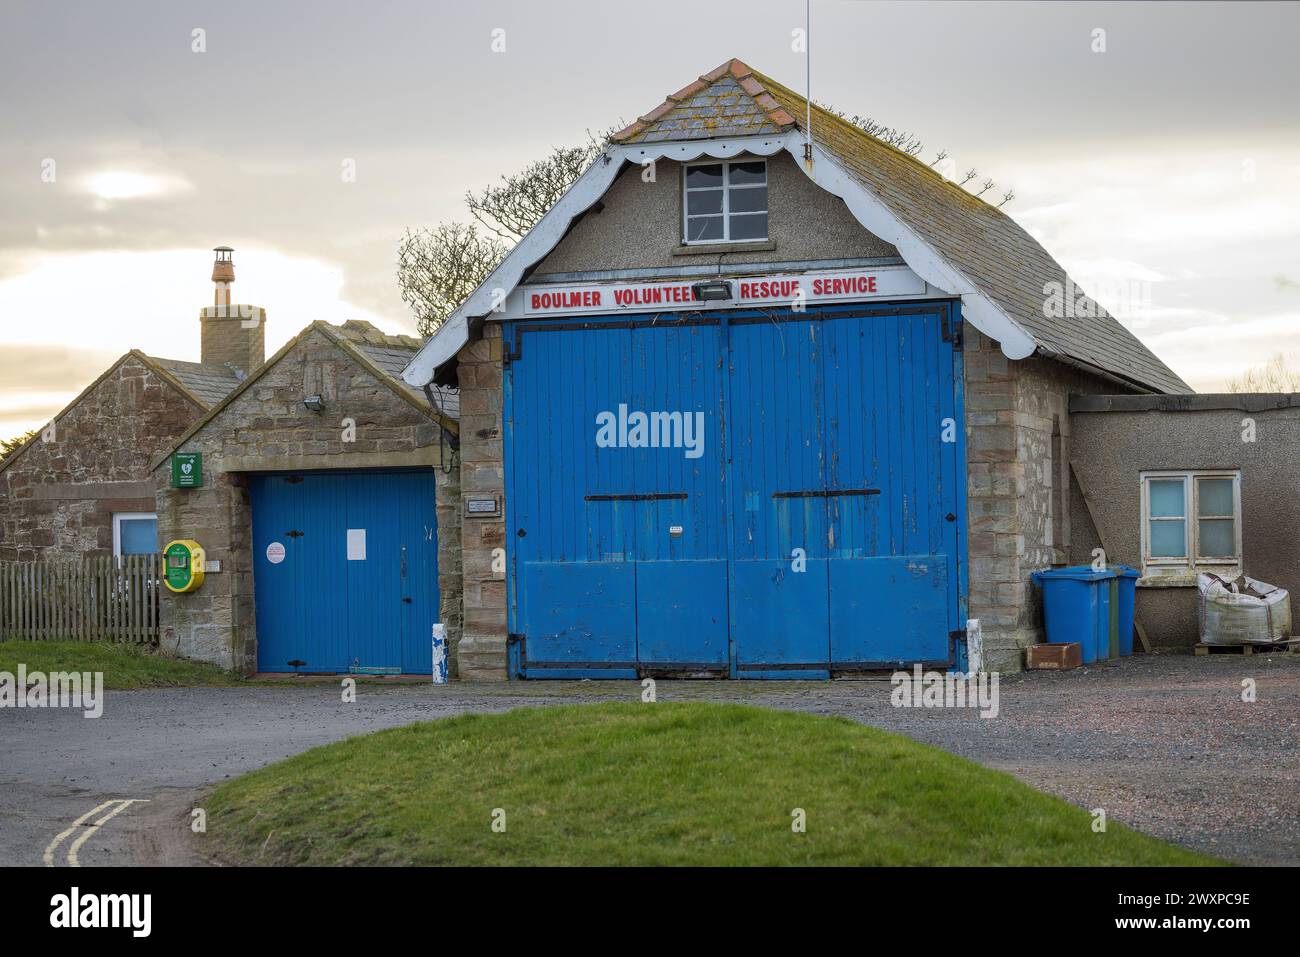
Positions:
{"x": 724, "y": 202}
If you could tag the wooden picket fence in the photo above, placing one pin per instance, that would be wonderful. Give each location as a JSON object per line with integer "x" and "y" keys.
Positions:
{"x": 81, "y": 599}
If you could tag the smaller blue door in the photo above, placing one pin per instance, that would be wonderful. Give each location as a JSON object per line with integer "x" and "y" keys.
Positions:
{"x": 345, "y": 571}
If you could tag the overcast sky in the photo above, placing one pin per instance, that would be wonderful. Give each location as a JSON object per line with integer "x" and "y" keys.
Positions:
{"x": 1164, "y": 172}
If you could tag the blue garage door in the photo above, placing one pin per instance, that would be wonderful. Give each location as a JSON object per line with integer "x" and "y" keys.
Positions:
{"x": 345, "y": 571}
{"x": 811, "y": 522}
{"x": 846, "y": 492}
{"x": 619, "y": 552}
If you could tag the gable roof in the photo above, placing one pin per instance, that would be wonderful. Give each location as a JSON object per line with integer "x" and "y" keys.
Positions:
{"x": 201, "y": 381}
{"x": 729, "y": 101}
{"x": 374, "y": 350}
{"x": 989, "y": 247}
{"x": 387, "y": 356}
{"x": 205, "y": 382}
{"x": 956, "y": 241}
{"x": 984, "y": 243}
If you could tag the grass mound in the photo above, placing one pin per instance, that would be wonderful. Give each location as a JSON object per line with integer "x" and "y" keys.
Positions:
{"x": 652, "y": 784}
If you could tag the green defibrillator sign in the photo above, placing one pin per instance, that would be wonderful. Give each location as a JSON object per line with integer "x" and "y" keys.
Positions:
{"x": 187, "y": 470}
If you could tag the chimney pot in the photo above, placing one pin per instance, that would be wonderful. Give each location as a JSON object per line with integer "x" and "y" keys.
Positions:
{"x": 233, "y": 336}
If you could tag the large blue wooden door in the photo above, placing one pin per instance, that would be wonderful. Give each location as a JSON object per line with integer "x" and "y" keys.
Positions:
{"x": 345, "y": 571}
{"x": 818, "y": 526}
{"x": 892, "y": 488}
{"x": 618, "y": 544}
{"x": 779, "y": 600}
{"x": 572, "y": 509}
{"x": 681, "y": 546}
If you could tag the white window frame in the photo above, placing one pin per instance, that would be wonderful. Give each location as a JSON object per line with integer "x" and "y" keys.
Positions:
{"x": 1192, "y": 561}
{"x": 726, "y": 201}
{"x": 118, "y": 518}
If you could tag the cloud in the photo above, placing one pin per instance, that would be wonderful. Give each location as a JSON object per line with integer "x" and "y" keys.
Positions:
{"x": 1209, "y": 349}
{"x": 110, "y": 302}
{"x": 116, "y": 184}
{"x": 48, "y": 367}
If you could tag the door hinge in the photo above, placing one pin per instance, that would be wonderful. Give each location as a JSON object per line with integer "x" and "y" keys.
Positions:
{"x": 294, "y": 534}
{"x": 953, "y": 638}
{"x": 509, "y": 357}
{"x": 513, "y": 640}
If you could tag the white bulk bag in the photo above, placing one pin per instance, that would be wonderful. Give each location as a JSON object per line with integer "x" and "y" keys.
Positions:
{"x": 1244, "y": 611}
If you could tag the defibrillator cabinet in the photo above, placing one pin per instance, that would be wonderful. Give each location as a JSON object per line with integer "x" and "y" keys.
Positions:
{"x": 183, "y": 562}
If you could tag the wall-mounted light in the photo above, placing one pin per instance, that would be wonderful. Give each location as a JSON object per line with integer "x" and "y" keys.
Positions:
{"x": 712, "y": 290}
{"x": 314, "y": 403}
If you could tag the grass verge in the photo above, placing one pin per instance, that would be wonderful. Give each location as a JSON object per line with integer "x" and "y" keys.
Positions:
{"x": 123, "y": 665}
{"x": 639, "y": 784}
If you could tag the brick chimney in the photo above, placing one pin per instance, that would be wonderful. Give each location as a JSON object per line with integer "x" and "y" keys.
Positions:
{"x": 233, "y": 335}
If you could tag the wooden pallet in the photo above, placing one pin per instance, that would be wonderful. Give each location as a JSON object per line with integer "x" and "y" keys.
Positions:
{"x": 1247, "y": 650}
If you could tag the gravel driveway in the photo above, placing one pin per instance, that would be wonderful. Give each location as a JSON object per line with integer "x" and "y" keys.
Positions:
{"x": 1164, "y": 743}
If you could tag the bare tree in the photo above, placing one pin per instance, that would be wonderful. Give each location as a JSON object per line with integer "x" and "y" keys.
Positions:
{"x": 438, "y": 268}
{"x": 1273, "y": 376}
{"x": 513, "y": 207}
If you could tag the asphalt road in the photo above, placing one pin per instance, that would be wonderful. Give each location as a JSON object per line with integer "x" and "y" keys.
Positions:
{"x": 1164, "y": 743}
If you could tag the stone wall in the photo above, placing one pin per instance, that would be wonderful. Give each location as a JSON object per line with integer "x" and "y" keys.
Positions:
{"x": 265, "y": 428}
{"x": 58, "y": 496}
{"x": 1018, "y": 488}
{"x": 482, "y": 651}
{"x": 450, "y": 571}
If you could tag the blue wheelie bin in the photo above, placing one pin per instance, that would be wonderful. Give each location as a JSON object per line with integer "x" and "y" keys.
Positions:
{"x": 1076, "y": 607}
{"x": 1127, "y": 593}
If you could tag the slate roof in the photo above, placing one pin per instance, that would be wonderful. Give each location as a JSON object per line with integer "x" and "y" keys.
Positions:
{"x": 191, "y": 379}
{"x": 390, "y": 355}
{"x": 208, "y": 383}
{"x": 727, "y": 102}
{"x": 998, "y": 256}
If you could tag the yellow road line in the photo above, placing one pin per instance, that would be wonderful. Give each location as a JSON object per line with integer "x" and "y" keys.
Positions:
{"x": 122, "y": 805}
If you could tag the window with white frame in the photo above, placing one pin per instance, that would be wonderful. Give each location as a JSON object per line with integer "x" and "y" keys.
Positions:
{"x": 135, "y": 533}
{"x": 724, "y": 202}
{"x": 1191, "y": 520}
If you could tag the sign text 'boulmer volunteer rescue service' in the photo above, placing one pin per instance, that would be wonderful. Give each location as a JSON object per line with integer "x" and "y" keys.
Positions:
{"x": 844, "y": 286}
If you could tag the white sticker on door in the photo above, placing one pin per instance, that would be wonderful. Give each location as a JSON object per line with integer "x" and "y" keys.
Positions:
{"x": 356, "y": 544}
{"x": 275, "y": 553}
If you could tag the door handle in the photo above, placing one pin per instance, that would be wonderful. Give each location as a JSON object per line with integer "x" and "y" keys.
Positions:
{"x": 827, "y": 493}
{"x": 637, "y": 497}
